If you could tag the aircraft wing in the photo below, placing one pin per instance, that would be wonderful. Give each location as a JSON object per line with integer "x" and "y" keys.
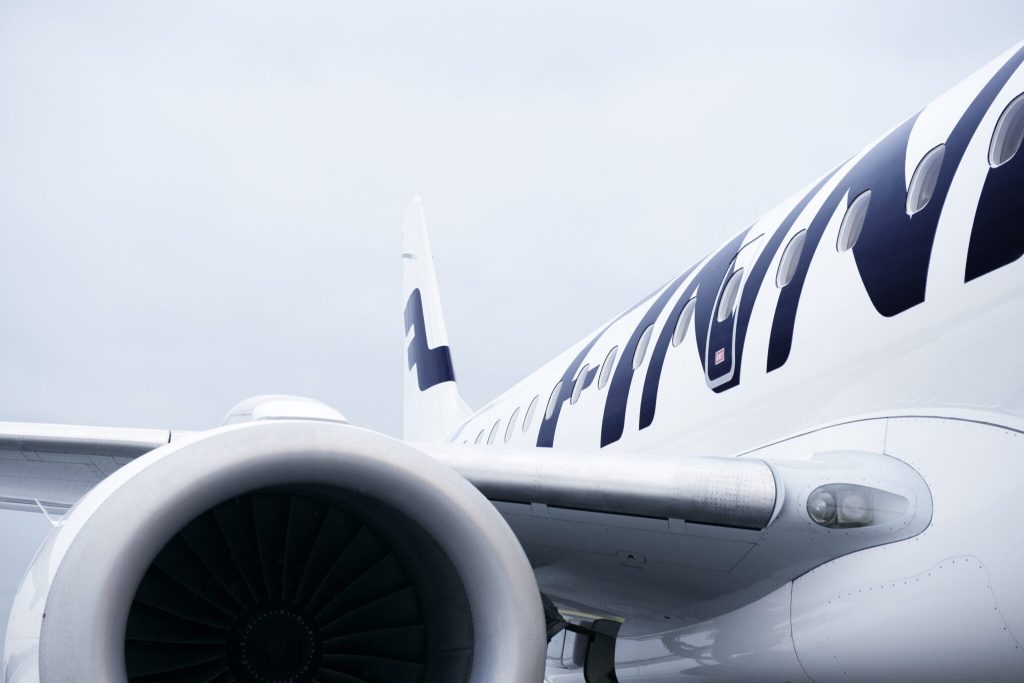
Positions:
{"x": 52, "y": 466}
{"x": 610, "y": 536}
{"x": 730, "y": 523}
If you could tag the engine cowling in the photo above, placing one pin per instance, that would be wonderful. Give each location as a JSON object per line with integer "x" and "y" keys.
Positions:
{"x": 280, "y": 551}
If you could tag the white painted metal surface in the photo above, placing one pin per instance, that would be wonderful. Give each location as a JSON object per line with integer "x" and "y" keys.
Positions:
{"x": 672, "y": 495}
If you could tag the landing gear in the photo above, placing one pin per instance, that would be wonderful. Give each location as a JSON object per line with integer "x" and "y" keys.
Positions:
{"x": 595, "y": 643}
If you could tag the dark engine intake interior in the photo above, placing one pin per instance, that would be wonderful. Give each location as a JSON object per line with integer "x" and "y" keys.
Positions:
{"x": 288, "y": 585}
{"x": 286, "y": 551}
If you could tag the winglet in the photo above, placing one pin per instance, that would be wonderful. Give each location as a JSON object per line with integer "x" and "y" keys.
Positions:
{"x": 431, "y": 404}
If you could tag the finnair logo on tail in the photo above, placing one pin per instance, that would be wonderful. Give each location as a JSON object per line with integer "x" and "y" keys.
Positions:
{"x": 433, "y": 365}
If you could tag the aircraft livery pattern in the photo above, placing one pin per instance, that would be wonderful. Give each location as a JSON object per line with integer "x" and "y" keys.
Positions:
{"x": 892, "y": 257}
{"x": 894, "y": 249}
{"x": 998, "y": 238}
{"x": 433, "y": 365}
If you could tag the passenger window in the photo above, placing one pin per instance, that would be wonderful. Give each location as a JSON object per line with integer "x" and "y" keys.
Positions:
{"x": 528, "y": 420}
{"x": 480, "y": 437}
{"x": 922, "y": 183}
{"x": 683, "y": 322}
{"x": 607, "y": 367}
{"x": 577, "y": 386}
{"x": 553, "y": 401}
{"x": 730, "y": 293}
{"x": 790, "y": 259}
{"x": 1008, "y": 133}
{"x": 512, "y": 422}
{"x": 494, "y": 432}
{"x": 641, "y": 346}
{"x": 853, "y": 221}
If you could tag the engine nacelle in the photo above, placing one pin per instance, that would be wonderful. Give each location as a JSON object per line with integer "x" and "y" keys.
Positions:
{"x": 280, "y": 551}
{"x": 281, "y": 407}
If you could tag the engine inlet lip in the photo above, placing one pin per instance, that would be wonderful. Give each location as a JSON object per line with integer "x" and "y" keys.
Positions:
{"x": 97, "y": 558}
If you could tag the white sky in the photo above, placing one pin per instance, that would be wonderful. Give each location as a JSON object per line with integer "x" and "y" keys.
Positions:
{"x": 200, "y": 201}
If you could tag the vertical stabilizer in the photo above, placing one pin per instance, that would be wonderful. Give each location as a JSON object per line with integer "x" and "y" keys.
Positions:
{"x": 431, "y": 403}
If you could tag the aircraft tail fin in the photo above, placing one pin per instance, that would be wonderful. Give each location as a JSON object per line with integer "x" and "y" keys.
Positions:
{"x": 431, "y": 406}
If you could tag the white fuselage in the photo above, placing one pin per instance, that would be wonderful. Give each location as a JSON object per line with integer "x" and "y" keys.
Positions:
{"x": 906, "y": 344}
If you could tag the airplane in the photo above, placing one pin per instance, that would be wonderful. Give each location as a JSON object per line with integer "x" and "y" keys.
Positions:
{"x": 798, "y": 461}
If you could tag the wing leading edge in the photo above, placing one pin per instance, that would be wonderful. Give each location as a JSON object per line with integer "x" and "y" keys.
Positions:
{"x": 56, "y": 464}
{"x": 700, "y": 528}
{"x": 51, "y": 466}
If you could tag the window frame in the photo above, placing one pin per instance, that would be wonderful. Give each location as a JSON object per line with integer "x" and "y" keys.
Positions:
{"x": 510, "y": 429}
{"x": 640, "y": 352}
{"x": 549, "y": 409}
{"x": 607, "y": 367}
{"x": 1012, "y": 115}
{"x": 530, "y": 412}
{"x": 494, "y": 432}
{"x": 730, "y": 294}
{"x": 685, "y": 312}
{"x": 790, "y": 259}
{"x": 925, "y": 178}
{"x": 577, "y": 384}
{"x": 862, "y": 202}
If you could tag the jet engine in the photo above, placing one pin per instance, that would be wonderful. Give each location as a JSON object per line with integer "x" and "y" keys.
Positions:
{"x": 280, "y": 551}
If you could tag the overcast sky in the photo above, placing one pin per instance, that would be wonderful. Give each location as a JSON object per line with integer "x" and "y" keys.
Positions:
{"x": 200, "y": 201}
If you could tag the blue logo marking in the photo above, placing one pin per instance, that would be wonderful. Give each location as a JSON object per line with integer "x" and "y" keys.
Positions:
{"x": 433, "y": 365}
